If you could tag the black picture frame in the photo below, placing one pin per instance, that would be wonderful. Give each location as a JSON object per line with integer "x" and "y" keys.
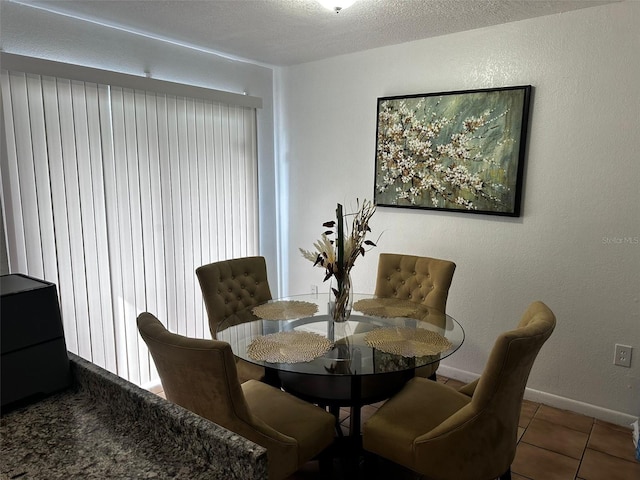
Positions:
{"x": 459, "y": 151}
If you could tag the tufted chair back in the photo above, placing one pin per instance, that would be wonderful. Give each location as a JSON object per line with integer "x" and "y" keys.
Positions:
{"x": 232, "y": 285}
{"x": 423, "y": 280}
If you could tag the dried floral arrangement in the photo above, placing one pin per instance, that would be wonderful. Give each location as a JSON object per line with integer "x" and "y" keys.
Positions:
{"x": 338, "y": 248}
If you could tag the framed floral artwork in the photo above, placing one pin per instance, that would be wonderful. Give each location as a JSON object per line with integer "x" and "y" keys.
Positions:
{"x": 457, "y": 151}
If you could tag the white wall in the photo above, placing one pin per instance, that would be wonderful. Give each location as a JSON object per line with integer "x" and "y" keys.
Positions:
{"x": 581, "y": 188}
{"x": 41, "y": 34}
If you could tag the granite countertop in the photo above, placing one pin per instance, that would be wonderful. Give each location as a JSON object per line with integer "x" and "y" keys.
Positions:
{"x": 107, "y": 428}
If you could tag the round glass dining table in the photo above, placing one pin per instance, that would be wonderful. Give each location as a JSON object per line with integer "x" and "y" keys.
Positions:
{"x": 363, "y": 360}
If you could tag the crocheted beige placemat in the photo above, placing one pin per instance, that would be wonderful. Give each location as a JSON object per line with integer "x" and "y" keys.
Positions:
{"x": 386, "y": 307}
{"x": 288, "y": 347}
{"x": 408, "y": 342}
{"x": 285, "y": 310}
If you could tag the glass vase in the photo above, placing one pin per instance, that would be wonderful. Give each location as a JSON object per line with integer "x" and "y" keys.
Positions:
{"x": 341, "y": 299}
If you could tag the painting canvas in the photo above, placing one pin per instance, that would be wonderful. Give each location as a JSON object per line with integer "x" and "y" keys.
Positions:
{"x": 455, "y": 151}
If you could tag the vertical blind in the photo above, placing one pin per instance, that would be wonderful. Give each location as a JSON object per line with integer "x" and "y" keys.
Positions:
{"x": 117, "y": 196}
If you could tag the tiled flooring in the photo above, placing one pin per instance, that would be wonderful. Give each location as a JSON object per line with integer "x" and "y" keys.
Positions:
{"x": 553, "y": 445}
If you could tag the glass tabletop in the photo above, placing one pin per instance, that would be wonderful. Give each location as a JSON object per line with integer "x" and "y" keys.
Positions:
{"x": 381, "y": 335}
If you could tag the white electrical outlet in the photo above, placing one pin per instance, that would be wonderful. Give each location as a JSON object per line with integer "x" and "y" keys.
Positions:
{"x": 314, "y": 289}
{"x": 622, "y": 355}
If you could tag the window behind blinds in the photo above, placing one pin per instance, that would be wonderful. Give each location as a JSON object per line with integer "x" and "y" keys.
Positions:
{"x": 117, "y": 196}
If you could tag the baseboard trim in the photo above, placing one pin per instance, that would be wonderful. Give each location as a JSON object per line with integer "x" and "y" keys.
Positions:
{"x": 456, "y": 374}
{"x": 556, "y": 401}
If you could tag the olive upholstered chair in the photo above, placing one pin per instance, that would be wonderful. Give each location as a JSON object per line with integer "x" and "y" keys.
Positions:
{"x": 200, "y": 375}
{"x": 229, "y": 286}
{"x": 469, "y": 433}
{"x": 422, "y": 280}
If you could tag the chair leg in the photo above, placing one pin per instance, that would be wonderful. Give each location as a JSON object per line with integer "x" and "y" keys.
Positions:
{"x": 506, "y": 475}
{"x": 325, "y": 460}
{"x": 433, "y": 377}
{"x": 335, "y": 411}
{"x": 370, "y": 464}
{"x": 271, "y": 377}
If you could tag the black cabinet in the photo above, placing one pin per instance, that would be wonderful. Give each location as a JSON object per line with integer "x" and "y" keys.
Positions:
{"x": 34, "y": 359}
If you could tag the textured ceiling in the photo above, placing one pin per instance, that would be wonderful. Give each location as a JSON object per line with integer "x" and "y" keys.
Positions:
{"x": 288, "y": 32}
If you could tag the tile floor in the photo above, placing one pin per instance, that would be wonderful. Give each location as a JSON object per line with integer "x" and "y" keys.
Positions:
{"x": 553, "y": 445}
